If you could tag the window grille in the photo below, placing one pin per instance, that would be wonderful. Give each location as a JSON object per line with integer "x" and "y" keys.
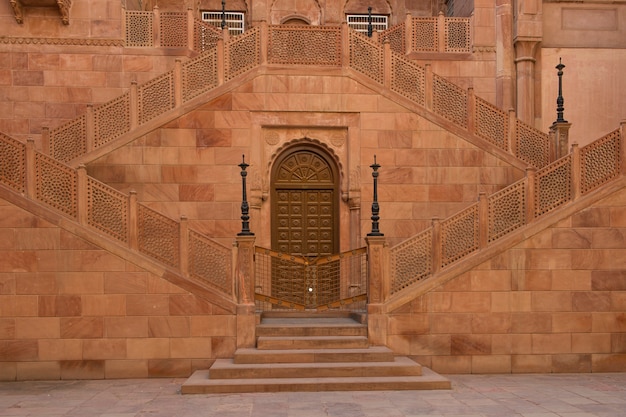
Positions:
{"x": 234, "y": 21}
{"x": 359, "y": 22}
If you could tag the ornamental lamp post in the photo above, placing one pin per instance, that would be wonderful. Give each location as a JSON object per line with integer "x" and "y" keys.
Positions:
{"x": 375, "y": 208}
{"x": 245, "y": 224}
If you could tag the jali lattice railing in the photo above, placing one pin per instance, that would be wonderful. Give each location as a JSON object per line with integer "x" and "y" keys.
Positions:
{"x": 505, "y": 211}
{"x": 93, "y": 204}
{"x": 294, "y": 45}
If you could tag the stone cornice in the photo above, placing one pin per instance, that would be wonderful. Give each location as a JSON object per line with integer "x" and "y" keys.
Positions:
{"x": 61, "y": 41}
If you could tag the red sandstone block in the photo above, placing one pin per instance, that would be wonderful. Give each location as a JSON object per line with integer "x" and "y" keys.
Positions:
{"x": 60, "y": 305}
{"x": 120, "y": 369}
{"x": 531, "y": 363}
{"x": 591, "y": 301}
{"x": 571, "y": 363}
{"x": 8, "y": 371}
{"x": 608, "y": 362}
{"x": 18, "y": 350}
{"x": 171, "y": 368}
{"x": 450, "y": 323}
{"x": 168, "y": 326}
{"x": 609, "y": 322}
{"x": 104, "y": 305}
{"x": 28, "y": 78}
{"x": 551, "y": 301}
{"x": 470, "y": 344}
{"x": 22, "y": 261}
{"x": 531, "y": 322}
{"x": 7, "y": 284}
{"x": 82, "y": 369}
{"x": 127, "y": 326}
{"x": 551, "y": 343}
{"x": 609, "y": 238}
{"x": 571, "y": 322}
{"x": 104, "y": 349}
{"x": 150, "y": 348}
{"x": 592, "y": 217}
{"x": 452, "y": 364}
{"x": 549, "y": 259}
{"x": 37, "y": 327}
{"x": 571, "y": 238}
{"x": 191, "y": 347}
{"x": 400, "y": 344}
{"x": 591, "y": 342}
{"x": 82, "y": 328}
{"x": 408, "y": 324}
{"x": 608, "y": 280}
{"x": 125, "y": 283}
{"x": 535, "y": 280}
{"x": 216, "y": 325}
{"x": 187, "y": 304}
{"x": 36, "y": 283}
{"x": 491, "y": 364}
{"x": 490, "y": 280}
{"x": 427, "y": 345}
{"x": 600, "y": 259}
{"x": 223, "y": 347}
{"x": 60, "y": 349}
{"x": 471, "y": 302}
{"x": 147, "y": 305}
{"x": 491, "y": 323}
{"x": 7, "y": 328}
{"x": 571, "y": 280}
{"x": 34, "y": 371}
{"x": 18, "y": 305}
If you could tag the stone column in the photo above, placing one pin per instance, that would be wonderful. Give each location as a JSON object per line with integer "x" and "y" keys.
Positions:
{"x": 244, "y": 276}
{"x": 525, "y": 66}
{"x": 505, "y": 55}
{"x": 378, "y": 289}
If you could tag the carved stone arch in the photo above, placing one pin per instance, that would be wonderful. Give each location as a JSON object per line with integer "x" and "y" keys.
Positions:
{"x": 310, "y": 10}
{"x": 312, "y": 143}
{"x": 296, "y": 20}
{"x": 360, "y": 7}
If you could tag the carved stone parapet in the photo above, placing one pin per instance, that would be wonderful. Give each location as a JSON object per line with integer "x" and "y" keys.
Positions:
{"x": 63, "y": 6}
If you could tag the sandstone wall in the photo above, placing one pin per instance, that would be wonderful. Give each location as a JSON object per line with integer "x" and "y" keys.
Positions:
{"x": 554, "y": 303}
{"x": 70, "y": 310}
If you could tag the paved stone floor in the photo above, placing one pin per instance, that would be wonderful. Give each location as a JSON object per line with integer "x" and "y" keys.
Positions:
{"x": 564, "y": 395}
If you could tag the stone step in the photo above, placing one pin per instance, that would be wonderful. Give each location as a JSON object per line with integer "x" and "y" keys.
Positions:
{"x": 199, "y": 383}
{"x": 401, "y": 366}
{"x": 299, "y": 327}
{"x": 312, "y": 342}
{"x": 371, "y": 354}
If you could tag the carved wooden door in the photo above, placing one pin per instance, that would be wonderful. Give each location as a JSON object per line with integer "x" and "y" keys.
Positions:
{"x": 304, "y": 220}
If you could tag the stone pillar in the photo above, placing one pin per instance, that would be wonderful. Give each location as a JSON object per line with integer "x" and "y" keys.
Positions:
{"x": 378, "y": 289}
{"x": 525, "y": 67}
{"x": 244, "y": 279}
{"x": 505, "y": 55}
{"x": 559, "y": 139}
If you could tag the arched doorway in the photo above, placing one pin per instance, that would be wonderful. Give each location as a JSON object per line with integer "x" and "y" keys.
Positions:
{"x": 305, "y": 224}
{"x": 305, "y": 203}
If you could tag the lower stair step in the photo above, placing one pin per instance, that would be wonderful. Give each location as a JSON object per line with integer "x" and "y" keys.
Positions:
{"x": 401, "y": 366}
{"x": 312, "y": 342}
{"x": 199, "y": 383}
{"x": 371, "y": 354}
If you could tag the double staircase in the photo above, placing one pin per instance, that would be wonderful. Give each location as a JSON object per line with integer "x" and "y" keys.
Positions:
{"x": 313, "y": 352}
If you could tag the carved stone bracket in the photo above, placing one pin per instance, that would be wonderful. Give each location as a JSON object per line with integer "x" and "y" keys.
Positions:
{"x": 63, "y": 6}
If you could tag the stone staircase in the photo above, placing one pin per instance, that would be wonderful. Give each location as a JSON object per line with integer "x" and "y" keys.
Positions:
{"x": 313, "y": 352}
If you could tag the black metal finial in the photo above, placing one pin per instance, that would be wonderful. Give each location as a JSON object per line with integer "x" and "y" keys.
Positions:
{"x": 559, "y": 99}
{"x": 375, "y": 208}
{"x": 223, "y": 14}
{"x": 370, "y": 28}
{"x": 245, "y": 224}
